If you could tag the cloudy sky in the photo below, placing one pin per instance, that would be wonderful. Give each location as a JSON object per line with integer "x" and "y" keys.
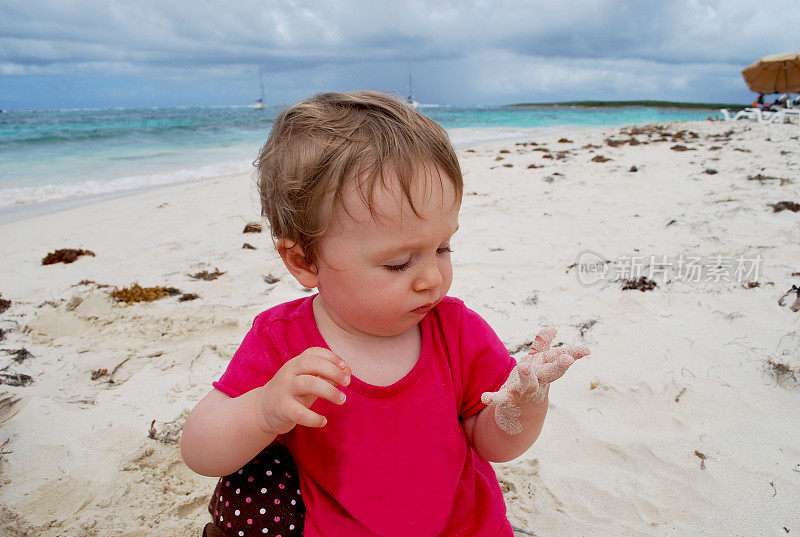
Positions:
{"x": 93, "y": 53}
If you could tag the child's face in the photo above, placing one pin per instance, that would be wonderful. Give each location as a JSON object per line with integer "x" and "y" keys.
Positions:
{"x": 380, "y": 274}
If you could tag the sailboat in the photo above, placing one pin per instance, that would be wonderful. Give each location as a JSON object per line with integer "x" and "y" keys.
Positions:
{"x": 259, "y": 104}
{"x": 410, "y": 99}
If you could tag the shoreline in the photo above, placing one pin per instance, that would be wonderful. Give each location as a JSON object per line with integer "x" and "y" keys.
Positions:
{"x": 677, "y": 423}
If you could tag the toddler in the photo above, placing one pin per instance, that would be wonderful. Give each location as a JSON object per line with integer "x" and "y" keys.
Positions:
{"x": 377, "y": 386}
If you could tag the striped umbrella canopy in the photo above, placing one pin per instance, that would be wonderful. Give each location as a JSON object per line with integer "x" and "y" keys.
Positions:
{"x": 776, "y": 73}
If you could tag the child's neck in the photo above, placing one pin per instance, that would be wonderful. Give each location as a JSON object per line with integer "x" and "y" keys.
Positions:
{"x": 377, "y": 360}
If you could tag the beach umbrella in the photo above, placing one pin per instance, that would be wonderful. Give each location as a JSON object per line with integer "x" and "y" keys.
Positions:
{"x": 776, "y": 73}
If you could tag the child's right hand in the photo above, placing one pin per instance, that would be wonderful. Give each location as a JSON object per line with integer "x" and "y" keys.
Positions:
{"x": 286, "y": 399}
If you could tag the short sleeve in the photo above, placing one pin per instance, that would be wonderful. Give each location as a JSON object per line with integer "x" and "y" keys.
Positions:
{"x": 486, "y": 362}
{"x": 255, "y": 362}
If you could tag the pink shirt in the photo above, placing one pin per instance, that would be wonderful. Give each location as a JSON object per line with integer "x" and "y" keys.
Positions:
{"x": 393, "y": 460}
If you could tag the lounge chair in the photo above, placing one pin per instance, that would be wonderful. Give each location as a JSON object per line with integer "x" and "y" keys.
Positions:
{"x": 744, "y": 113}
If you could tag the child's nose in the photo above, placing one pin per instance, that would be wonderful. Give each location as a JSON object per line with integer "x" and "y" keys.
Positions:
{"x": 429, "y": 277}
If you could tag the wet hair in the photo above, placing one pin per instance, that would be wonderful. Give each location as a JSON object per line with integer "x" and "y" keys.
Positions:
{"x": 321, "y": 146}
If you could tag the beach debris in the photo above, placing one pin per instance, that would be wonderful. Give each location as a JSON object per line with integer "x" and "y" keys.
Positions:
{"x": 541, "y": 149}
{"x": 99, "y": 373}
{"x": 679, "y": 147}
{"x": 590, "y": 146}
{"x": 785, "y": 206}
{"x": 252, "y": 227}
{"x": 616, "y": 143}
{"x": 469, "y": 151}
{"x": 678, "y": 397}
{"x": 702, "y": 457}
{"x": 270, "y": 279}
{"x": 633, "y": 169}
{"x": 73, "y": 303}
{"x": 740, "y": 150}
{"x": 188, "y": 296}
{"x": 496, "y": 249}
{"x": 710, "y": 171}
{"x": 594, "y": 384}
{"x": 782, "y": 372}
{"x": 670, "y": 222}
{"x": 166, "y": 432}
{"x": 505, "y": 151}
{"x": 783, "y": 299}
{"x": 600, "y": 158}
{"x": 2, "y": 334}
{"x": 4, "y": 304}
{"x": 642, "y": 284}
{"x": 715, "y": 148}
{"x": 532, "y": 300}
{"x": 207, "y": 276}
{"x": 16, "y": 379}
{"x": 248, "y": 246}
{"x": 18, "y": 355}
{"x": 763, "y": 178}
{"x": 137, "y": 293}
{"x": 8, "y": 407}
{"x": 526, "y": 532}
{"x": 564, "y": 141}
{"x": 585, "y": 326}
{"x": 65, "y": 255}
{"x": 531, "y": 166}
{"x": 499, "y": 158}
{"x": 751, "y": 285}
{"x": 508, "y": 165}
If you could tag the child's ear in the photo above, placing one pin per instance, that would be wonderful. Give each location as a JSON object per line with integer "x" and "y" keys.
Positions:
{"x": 295, "y": 260}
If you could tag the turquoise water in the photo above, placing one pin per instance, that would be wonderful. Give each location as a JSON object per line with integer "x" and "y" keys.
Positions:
{"x": 67, "y": 154}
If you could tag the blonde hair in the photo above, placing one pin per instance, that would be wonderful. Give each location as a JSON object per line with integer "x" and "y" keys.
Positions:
{"x": 319, "y": 145}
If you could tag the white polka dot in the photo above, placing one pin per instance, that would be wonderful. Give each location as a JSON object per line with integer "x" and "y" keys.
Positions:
{"x": 262, "y": 511}
{"x": 277, "y": 461}
{"x": 241, "y": 534}
{"x": 241, "y": 472}
{"x": 263, "y": 491}
{"x": 220, "y": 498}
{"x": 238, "y": 491}
{"x": 298, "y": 491}
{"x": 293, "y": 502}
{"x": 237, "y": 512}
{"x": 269, "y": 472}
{"x": 291, "y": 526}
{"x": 221, "y": 518}
{"x": 264, "y": 530}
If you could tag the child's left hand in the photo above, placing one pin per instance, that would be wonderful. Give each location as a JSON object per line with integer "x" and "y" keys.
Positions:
{"x": 529, "y": 381}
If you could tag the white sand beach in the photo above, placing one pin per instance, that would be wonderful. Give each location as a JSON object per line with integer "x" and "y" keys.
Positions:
{"x": 683, "y": 421}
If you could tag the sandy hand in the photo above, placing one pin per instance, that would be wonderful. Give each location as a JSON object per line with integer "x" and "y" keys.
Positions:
{"x": 529, "y": 381}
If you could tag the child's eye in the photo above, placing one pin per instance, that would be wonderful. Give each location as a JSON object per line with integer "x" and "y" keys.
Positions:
{"x": 397, "y": 268}
{"x": 443, "y": 249}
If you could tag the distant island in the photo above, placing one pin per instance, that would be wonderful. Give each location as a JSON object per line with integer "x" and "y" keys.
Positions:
{"x": 619, "y": 104}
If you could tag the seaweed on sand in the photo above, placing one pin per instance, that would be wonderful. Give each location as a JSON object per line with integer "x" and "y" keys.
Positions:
{"x": 137, "y": 293}
{"x": 4, "y": 304}
{"x": 207, "y": 276}
{"x": 642, "y": 284}
{"x": 785, "y": 206}
{"x": 65, "y": 255}
{"x": 16, "y": 379}
{"x": 252, "y": 227}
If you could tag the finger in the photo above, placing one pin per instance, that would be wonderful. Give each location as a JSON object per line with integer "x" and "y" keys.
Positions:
{"x": 322, "y": 366}
{"x": 579, "y": 351}
{"x": 549, "y": 372}
{"x": 543, "y": 339}
{"x": 549, "y": 355}
{"x": 317, "y": 387}
{"x": 303, "y": 416}
{"x": 496, "y": 398}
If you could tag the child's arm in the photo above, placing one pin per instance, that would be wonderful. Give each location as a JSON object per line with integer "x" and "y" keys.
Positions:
{"x": 513, "y": 420}
{"x": 222, "y": 434}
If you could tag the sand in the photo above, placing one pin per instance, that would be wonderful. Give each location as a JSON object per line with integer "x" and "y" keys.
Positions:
{"x": 682, "y": 422}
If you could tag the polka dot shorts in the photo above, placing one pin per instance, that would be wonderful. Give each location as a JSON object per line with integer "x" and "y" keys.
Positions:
{"x": 263, "y": 498}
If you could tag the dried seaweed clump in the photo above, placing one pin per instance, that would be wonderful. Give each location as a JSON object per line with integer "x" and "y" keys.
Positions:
{"x": 4, "y": 304}
{"x": 168, "y": 432}
{"x": 137, "y": 293}
{"x": 207, "y": 276}
{"x": 785, "y": 206}
{"x": 64, "y": 255}
{"x": 252, "y": 227}
{"x": 642, "y": 284}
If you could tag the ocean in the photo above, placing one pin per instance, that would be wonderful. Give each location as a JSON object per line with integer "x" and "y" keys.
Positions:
{"x": 61, "y": 158}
